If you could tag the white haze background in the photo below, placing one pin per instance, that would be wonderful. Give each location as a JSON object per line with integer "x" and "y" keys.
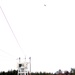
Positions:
{"x": 46, "y": 33}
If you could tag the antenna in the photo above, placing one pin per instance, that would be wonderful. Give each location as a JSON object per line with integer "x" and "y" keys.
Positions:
{"x": 30, "y": 64}
{"x": 25, "y": 58}
{"x": 19, "y": 59}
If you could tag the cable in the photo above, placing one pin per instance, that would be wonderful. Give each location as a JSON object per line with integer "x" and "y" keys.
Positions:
{"x": 12, "y": 31}
{"x": 7, "y": 53}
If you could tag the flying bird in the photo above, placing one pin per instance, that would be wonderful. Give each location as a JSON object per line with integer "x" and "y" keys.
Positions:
{"x": 44, "y": 4}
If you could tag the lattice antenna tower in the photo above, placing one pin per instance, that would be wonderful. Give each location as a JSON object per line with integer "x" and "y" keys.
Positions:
{"x": 23, "y": 68}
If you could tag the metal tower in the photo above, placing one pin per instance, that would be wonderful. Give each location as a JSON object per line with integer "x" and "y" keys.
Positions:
{"x": 24, "y": 68}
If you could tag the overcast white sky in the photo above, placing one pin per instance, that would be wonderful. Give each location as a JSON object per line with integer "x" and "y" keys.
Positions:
{"x": 46, "y": 33}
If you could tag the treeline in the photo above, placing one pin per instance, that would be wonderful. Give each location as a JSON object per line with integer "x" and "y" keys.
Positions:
{"x": 14, "y": 72}
{"x": 41, "y": 73}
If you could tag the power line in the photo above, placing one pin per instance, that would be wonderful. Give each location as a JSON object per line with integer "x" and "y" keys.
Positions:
{"x": 7, "y": 53}
{"x": 11, "y": 30}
